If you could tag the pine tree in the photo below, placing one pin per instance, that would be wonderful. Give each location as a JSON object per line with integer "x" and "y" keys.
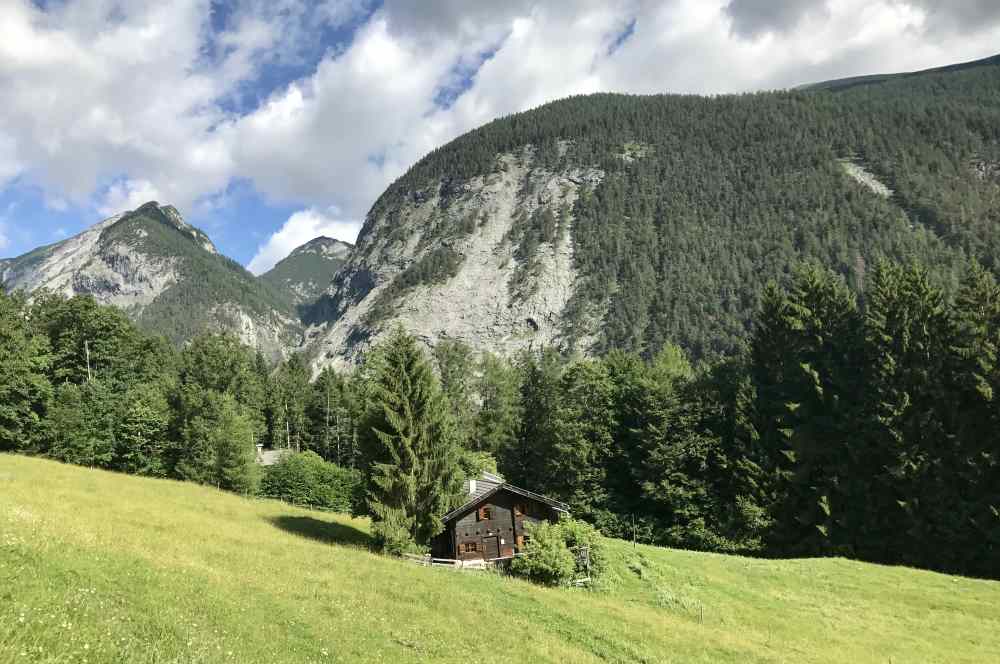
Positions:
{"x": 575, "y": 467}
{"x": 907, "y": 337}
{"x": 523, "y": 462}
{"x": 331, "y": 419}
{"x": 288, "y": 397}
{"x": 232, "y": 442}
{"x": 499, "y": 416}
{"x": 823, "y": 456}
{"x": 409, "y": 445}
{"x": 456, "y": 366}
{"x": 25, "y": 390}
{"x": 973, "y": 471}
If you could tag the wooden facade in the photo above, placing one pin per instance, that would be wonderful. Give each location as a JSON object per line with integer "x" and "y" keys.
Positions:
{"x": 491, "y": 524}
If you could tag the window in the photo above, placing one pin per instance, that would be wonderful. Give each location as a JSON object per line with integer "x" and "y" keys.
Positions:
{"x": 485, "y": 513}
{"x": 520, "y": 509}
{"x": 470, "y": 547}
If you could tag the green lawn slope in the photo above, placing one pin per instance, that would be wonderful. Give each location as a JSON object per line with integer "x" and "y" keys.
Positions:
{"x": 99, "y": 567}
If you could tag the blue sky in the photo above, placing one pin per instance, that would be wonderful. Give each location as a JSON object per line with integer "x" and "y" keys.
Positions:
{"x": 267, "y": 122}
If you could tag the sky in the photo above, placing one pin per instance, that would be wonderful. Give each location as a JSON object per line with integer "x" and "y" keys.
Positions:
{"x": 270, "y": 122}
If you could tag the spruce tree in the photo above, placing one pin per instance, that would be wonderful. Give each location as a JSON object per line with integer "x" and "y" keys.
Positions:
{"x": 234, "y": 454}
{"x": 499, "y": 416}
{"x": 456, "y": 367}
{"x": 409, "y": 445}
{"x": 824, "y": 454}
{"x": 973, "y": 471}
{"x": 907, "y": 337}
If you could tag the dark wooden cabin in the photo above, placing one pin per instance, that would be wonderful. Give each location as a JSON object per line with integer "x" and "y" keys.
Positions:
{"x": 491, "y": 523}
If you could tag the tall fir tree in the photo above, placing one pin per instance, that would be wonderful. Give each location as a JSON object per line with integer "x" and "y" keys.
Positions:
{"x": 456, "y": 367}
{"x": 498, "y": 418}
{"x": 410, "y": 449}
{"x": 974, "y": 407}
{"x": 907, "y": 337}
{"x": 523, "y": 462}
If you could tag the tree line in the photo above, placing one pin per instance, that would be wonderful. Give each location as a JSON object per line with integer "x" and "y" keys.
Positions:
{"x": 861, "y": 425}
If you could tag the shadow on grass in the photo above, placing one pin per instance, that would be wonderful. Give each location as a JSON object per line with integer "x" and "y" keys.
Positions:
{"x": 326, "y": 532}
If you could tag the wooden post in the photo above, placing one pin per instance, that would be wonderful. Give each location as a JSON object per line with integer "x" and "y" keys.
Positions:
{"x": 288, "y": 427}
{"x": 326, "y": 431}
{"x": 86, "y": 350}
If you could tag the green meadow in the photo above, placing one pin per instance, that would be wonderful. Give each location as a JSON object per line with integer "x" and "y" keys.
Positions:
{"x": 101, "y": 567}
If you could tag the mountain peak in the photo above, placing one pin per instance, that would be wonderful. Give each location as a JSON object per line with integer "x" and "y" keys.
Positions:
{"x": 323, "y": 245}
{"x": 169, "y": 215}
{"x": 305, "y": 274}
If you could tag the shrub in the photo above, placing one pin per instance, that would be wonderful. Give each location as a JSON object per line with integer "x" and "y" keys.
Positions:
{"x": 547, "y": 559}
{"x": 306, "y": 479}
{"x": 579, "y": 535}
{"x": 560, "y": 552}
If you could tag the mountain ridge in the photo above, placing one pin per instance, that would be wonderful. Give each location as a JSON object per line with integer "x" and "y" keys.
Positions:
{"x": 164, "y": 273}
{"x": 874, "y": 79}
{"x": 700, "y": 202}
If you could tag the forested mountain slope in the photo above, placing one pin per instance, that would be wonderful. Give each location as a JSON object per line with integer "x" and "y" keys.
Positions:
{"x": 305, "y": 274}
{"x": 844, "y": 83}
{"x": 166, "y": 274}
{"x": 614, "y": 221}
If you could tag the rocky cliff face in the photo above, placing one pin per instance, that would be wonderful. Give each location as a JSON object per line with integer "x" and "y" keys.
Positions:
{"x": 165, "y": 273}
{"x": 112, "y": 268}
{"x": 488, "y": 261}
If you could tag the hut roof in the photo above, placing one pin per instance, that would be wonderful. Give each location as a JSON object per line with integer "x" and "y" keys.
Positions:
{"x": 487, "y": 486}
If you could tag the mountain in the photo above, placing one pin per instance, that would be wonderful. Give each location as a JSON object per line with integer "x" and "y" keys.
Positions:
{"x": 304, "y": 274}
{"x": 166, "y": 274}
{"x": 614, "y": 221}
{"x": 844, "y": 83}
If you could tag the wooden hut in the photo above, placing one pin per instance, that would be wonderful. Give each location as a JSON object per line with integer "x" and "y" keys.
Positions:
{"x": 491, "y": 523}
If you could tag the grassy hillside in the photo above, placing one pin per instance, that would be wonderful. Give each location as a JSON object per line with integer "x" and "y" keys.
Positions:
{"x": 100, "y": 567}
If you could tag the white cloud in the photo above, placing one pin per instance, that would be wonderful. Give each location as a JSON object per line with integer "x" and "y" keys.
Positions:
{"x": 128, "y": 195}
{"x": 301, "y": 227}
{"x": 144, "y": 94}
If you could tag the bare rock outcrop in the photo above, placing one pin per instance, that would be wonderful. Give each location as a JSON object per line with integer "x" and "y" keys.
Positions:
{"x": 495, "y": 297}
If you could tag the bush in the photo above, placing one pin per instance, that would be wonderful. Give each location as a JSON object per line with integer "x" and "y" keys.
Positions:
{"x": 305, "y": 479}
{"x": 555, "y": 553}
{"x": 547, "y": 559}
{"x": 579, "y": 535}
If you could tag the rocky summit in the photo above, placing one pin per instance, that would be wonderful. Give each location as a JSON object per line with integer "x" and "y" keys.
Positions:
{"x": 166, "y": 274}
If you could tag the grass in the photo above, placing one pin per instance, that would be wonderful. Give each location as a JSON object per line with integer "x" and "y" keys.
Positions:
{"x": 99, "y": 567}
